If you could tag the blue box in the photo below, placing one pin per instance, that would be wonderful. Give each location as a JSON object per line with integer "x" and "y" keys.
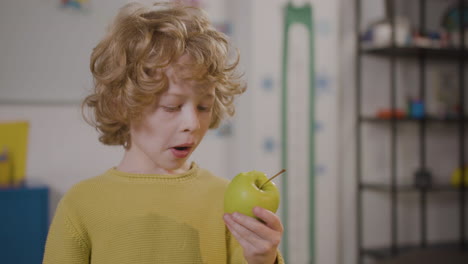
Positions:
{"x": 24, "y": 222}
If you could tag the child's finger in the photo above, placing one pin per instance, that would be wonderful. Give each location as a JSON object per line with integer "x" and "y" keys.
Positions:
{"x": 242, "y": 234}
{"x": 245, "y": 226}
{"x": 269, "y": 218}
{"x": 249, "y": 240}
{"x": 254, "y": 231}
{"x": 271, "y": 229}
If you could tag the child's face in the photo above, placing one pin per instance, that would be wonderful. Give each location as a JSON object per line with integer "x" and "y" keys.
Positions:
{"x": 171, "y": 129}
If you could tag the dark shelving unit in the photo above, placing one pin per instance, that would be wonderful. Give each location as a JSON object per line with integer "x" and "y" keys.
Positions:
{"x": 433, "y": 53}
{"x": 385, "y": 253}
{"x": 379, "y": 187}
{"x": 427, "y": 119}
{"x": 392, "y": 188}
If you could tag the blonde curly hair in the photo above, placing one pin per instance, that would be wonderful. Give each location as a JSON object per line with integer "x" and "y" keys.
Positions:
{"x": 129, "y": 65}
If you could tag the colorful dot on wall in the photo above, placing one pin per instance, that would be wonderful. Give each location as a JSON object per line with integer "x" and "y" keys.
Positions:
{"x": 323, "y": 27}
{"x": 267, "y": 83}
{"x": 319, "y": 126}
{"x": 323, "y": 83}
{"x": 224, "y": 130}
{"x": 75, "y": 4}
{"x": 320, "y": 169}
{"x": 269, "y": 145}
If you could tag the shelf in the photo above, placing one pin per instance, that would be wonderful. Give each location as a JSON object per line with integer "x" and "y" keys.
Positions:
{"x": 386, "y": 252}
{"x": 411, "y": 120}
{"x": 382, "y": 187}
{"x": 393, "y": 118}
{"x": 436, "y": 53}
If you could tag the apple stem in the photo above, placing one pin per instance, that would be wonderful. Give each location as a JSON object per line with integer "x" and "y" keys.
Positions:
{"x": 274, "y": 176}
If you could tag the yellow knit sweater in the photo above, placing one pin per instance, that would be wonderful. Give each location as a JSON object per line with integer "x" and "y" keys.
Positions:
{"x": 120, "y": 218}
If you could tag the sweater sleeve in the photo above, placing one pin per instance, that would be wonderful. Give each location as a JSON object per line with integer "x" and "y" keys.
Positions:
{"x": 279, "y": 259}
{"x": 235, "y": 253}
{"x": 65, "y": 243}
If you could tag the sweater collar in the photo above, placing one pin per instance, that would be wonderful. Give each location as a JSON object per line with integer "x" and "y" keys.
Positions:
{"x": 188, "y": 175}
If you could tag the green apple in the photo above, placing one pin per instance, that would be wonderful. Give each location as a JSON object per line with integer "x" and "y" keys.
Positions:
{"x": 243, "y": 194}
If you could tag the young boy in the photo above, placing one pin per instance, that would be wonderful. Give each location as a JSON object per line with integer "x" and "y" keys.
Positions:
{"x": 162, "y": 79}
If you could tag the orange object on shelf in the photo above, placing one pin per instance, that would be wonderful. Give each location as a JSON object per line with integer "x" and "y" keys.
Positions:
{"x": 389, "y": 114}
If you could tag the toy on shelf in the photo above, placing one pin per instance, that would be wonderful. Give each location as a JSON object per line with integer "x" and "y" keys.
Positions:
{"x": 416, "y": 108}
{"x": 456, "y": 179}
{"x": 379, "y": 33}
{"x": 386, "y": 113}
{"x": 422, "y": 178}
{"x": 451, "y": 24}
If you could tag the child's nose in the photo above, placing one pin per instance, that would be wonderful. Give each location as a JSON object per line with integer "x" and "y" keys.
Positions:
{"x": 191, "y": 120}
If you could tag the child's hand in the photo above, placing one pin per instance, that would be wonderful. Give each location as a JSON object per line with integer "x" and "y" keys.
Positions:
{"x": 259, "y": 240}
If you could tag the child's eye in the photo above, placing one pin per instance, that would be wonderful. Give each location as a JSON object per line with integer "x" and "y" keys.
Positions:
{"x": 171, "y": 108}
{"x": 204, "y": 108}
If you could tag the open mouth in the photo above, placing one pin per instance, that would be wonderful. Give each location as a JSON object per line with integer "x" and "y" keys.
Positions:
{"x": 181, "y": 152}
{"x": 181, "y": 148}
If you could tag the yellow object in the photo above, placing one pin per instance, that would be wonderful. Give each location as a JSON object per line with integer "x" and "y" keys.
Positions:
{"x": 456, "y": 179}
{"x": 130, "y": 218}
{"x": 5, "y": 169}
{"x": 14, "y": 137}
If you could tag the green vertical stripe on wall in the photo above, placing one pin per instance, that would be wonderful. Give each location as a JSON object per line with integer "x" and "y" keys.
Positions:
{"x": 300, "y": 15}
{"x": 284, "y": 136}
{"x": 312, "y": 140}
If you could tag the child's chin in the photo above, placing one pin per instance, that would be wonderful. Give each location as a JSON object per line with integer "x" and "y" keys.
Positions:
{"x": 178, "y": 165}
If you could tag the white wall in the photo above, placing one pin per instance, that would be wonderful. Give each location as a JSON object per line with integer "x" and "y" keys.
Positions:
{"x": 45, "y": 48}
{"x": 262, "y": 123}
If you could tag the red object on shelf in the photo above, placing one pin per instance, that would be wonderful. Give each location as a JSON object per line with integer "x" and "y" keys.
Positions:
{"x": 389, "y": 114}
